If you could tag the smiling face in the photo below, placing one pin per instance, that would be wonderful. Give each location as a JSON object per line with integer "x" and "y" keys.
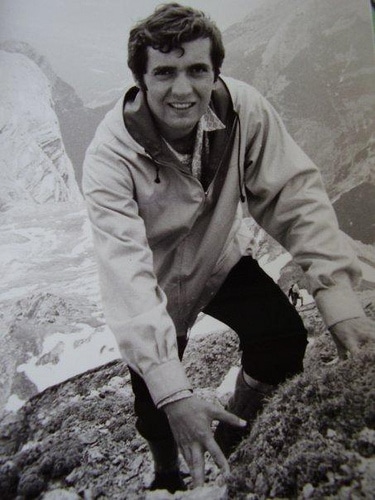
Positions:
{"x": 179, "y": 86}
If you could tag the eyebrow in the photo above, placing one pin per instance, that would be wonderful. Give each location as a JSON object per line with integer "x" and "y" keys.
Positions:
{"x": 200, "y": 65}
{"x": 194, "y": 65}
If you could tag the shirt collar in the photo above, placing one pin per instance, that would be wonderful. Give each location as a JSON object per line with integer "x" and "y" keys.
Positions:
{"x": 210, "y": 121}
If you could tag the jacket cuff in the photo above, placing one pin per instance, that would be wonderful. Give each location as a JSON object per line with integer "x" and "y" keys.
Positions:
{"x": 166, "y": 380}
{"x": 175, "y": 397}
{"x": 338, "y": 303}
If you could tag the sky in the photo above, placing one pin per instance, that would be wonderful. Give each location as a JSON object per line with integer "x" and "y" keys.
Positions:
{"x": 85, "y": 40}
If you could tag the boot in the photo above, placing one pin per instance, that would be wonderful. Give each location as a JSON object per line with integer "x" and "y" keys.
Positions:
{"x": 247, "y": 402}
{"x": 167, "y": 469}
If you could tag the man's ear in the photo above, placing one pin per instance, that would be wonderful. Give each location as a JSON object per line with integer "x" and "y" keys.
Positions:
{"x": 140, "y": 84}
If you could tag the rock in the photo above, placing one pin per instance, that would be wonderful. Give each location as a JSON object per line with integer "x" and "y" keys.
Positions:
{"x": 366, "y": 442}
{"x": 89, "y": 437}
{"x": 202, "y": 493}
{"x": 9, "y": 476}
{"x": 12, "y": 433}
{"x": 31, "y": 484}
{"x": 207, "y": 493}
{"x": 60, "y": 494}
{"x": 308, "y": 491}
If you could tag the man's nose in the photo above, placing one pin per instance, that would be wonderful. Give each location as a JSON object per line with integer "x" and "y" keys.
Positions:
{"x": 181, "y": 85}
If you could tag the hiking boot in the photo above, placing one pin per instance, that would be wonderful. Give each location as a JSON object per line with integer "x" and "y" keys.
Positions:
{"x": 166, "y": 462}
{"x": 171, "y": 481}
{"x": 246, "y": 402}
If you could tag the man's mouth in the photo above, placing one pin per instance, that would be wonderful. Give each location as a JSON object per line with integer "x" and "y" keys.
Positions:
{"x": 181, "y": 105}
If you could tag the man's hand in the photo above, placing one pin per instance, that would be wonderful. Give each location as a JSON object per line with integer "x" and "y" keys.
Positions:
{"x": 190, "y": 420}
{"x": 353, "y": 335}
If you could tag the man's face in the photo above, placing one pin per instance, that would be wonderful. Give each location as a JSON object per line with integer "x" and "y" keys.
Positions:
{"x": 179, "y": 86}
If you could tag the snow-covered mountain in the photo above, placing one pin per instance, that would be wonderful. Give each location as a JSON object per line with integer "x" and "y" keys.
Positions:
{"x": 48, "y": 289}
{"x": 34, "y": 166}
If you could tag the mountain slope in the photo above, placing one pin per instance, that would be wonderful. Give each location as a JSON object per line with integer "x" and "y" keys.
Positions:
{"x": 34, "y": 166}
{"x": 314, "y": 60}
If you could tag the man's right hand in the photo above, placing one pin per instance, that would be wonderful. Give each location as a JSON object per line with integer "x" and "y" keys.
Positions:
{"x": 190, "y": 420}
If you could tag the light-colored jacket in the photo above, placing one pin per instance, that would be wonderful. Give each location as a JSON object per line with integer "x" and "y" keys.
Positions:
{"x": 164, "y": 244}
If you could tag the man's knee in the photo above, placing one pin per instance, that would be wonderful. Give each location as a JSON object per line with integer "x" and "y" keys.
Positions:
{"x": 274, "y": 360}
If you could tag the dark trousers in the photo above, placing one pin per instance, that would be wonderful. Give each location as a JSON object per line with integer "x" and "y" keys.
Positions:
{"x": 272, "y": 338}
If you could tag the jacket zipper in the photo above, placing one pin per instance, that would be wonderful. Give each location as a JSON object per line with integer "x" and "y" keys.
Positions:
{"x": 233, "y": 129}
{"x": 188, "y": 174}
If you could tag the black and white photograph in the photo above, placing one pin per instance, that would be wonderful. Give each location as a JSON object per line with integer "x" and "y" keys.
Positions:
{"x": 187, "y": 249}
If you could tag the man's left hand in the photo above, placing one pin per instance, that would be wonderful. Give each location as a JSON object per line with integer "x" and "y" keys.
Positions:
{"x": 353, "y": 336}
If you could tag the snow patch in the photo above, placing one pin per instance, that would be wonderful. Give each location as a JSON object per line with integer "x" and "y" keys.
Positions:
{"x": 66, "y": 355}
{"x": 14, "y": 403}
{"x": 368, "y": 271}
{"x": 273, "y": 268}
{"x": 205, "y": 325}
{"x": 228, "y": 384}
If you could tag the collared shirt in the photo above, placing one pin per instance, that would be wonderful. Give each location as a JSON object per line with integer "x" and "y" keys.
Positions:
{"x": 207, "y": 123}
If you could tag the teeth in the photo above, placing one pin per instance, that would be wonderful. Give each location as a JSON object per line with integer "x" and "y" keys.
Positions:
{"x": 180, "y": 105}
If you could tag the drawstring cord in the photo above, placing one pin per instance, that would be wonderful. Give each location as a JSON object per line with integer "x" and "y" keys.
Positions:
{"x": 240, "y": 180}
{"x": 157, "y": 178}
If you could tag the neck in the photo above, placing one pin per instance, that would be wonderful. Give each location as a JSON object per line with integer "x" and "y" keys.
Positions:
{"x": 183, "y": 145}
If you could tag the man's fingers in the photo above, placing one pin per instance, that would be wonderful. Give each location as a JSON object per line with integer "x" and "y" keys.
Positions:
{"x": 197, "y": 465}
{"x": 227, "y": 417}
{"x": 195, "y": 460}
{"x": 218, "y": 456}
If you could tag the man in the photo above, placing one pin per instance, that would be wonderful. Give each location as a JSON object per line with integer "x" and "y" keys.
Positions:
{"x": 294, "y": 294}
{"x": 166, "y": 178}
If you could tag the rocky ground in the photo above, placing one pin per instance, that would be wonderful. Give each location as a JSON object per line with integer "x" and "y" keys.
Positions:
{"x": 315, "y": 439}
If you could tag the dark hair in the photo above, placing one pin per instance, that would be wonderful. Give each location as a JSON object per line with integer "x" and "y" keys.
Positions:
{"x": 167, "y": 29}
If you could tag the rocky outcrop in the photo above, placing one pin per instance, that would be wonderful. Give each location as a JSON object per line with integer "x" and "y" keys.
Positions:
{"x": 34, "y": 166}
{"x": 315, "y": 439}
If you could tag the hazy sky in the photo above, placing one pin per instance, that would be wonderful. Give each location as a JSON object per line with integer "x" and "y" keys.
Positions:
{"x": 85, "y": 40}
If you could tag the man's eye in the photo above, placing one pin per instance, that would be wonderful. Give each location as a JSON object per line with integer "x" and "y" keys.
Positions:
{"x": 199, "y": 70}
{"x": 163, "y": 72}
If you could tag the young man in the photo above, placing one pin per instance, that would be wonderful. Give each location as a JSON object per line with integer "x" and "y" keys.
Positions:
{"x": 166, "y": 178}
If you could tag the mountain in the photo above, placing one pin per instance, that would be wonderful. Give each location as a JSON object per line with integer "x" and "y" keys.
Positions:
{"x": 77, "y": 122}
{"x": 49, "y": 290}
{"x": 34, "y": 166}
{"x": 63, "y": 95}
{"x": 314, "y": 60}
